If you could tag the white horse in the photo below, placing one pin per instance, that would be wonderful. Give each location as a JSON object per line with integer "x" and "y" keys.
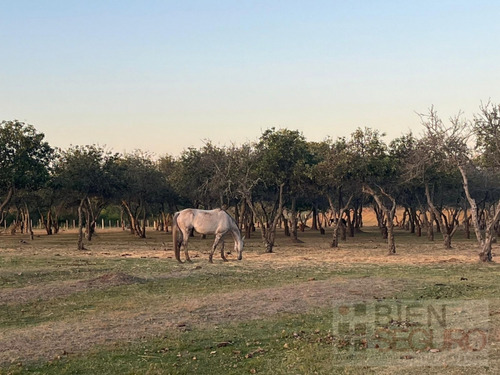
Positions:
{"x": 216, "y": 222}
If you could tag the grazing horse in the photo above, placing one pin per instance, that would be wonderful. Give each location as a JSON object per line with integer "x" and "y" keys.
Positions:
{"x": 216, "y": 222}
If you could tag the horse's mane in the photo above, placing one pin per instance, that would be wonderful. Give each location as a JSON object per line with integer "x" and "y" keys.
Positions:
{"x": 232, "y": 219}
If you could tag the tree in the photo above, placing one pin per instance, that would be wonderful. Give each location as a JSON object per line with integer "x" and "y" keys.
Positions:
{"x": 245, "y": 180}
{"x": 192, "y": 176}
{"x": 389, "y": 211}
{"x": 88, "y": 175}
{"x": 435, "y": 162}
{"x": 297, "y": 177}
{"x": 333, "y": 178}
{"x": 50, "y": 200}
{"x": 486, "y": 127}
{"x": 167, "y": 166}
{"x": 144, "y": 187}
{"x": 24, "y": 160}
{"x": 378, "y": 173}
{"x": 280, "y": 154}
{"x": 410, "y": 192}
{"x": 367, "y": 154}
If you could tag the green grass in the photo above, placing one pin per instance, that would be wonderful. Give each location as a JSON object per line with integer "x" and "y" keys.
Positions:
{"x": 232, "y": 349}
{"x": 297, "y": 344}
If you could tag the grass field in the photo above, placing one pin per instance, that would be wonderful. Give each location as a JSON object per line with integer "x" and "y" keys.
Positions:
{"x": 125, "y": 306}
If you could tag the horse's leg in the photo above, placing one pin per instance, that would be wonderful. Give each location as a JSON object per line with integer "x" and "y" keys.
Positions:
{"x": 178, "y": 250}
{"x": 216, "y": 242}
{"x": 188, "y": 259}
{"x": 185, "y": 237}
{"x": 223, "y": 256}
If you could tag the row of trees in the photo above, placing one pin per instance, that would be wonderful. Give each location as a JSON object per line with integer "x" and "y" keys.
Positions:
{"x": 447, "y": 176}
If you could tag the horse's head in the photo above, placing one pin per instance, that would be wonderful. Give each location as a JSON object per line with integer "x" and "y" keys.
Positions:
{"x": 238, "y": 246}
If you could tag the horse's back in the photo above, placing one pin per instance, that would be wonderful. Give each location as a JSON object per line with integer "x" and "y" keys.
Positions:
{"x": 204, "y": 221}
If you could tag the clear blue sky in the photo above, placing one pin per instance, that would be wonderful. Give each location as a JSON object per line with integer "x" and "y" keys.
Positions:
{"x": 162, "y": 76}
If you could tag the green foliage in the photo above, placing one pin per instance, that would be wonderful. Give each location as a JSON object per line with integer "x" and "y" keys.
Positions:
{"x": 203, "y": 177}
{"x": 145, "y": 189}
{"x": 283, "y": 156}
{"x": 86, "y": 171}
{"x": 369, "y": 156}
{"x": 24, "y": 156}
{"x": 487, "y": 131}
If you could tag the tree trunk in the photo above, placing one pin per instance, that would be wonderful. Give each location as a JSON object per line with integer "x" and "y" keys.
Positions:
{"x": 237, "y": 215}
{"x": 485, "y": 254}
{"x": 143, "y": 229}
{"x": 314, "y": 225}
{"x": 55, "y": 224}
{"x": 359, "y": 218}
{"x": 49, "y": 222}
{"x": 15, "y": 224}
{"x": 133, "y": 224}
{"x": 321, "y": 223}
{"x": 242, "y": 214}
{"x": 122, "y": 220}
{"x": 45, "y": 223}
{"x": 467, "y": 218}
{"x": 293, "y": 221}
{"x": 165, "y": 218}
{"x": 429, "y": 225}
{"x": 335, "y": 236}
{"x": 418, "y": 226}
{"x": 246, "y": 218}
{"x": 271, "y": 232}
{"x": 268, "y": 229}
{"x": 303, "y": 221}
{"x": 350, "y": 224}
{"x": 27, "y": 225}
{"x": 404, "y": 222}
{"x": 413, "y": 219}
{"x": 389, "y": 214}
{"x": 343, "y": 229}
{"x": 88, "y": 231}
{"x": 80, "y": 225}
{"x": 390, "y": 237}
{"x": 385, "y": 231}
{"x": 92, "y": 214}
{"x": 484, "y": 242}
{"x": 447, "y": 241}
{"x": 5, "y": 203}
{"x": 286, "y": 225}
{"x": 381, "y": 219}
{"x": 447, "y": 229}
{"x": 338, "y": 221}
{"x": 355, "y": 220}
{"x": 249, "y": 224}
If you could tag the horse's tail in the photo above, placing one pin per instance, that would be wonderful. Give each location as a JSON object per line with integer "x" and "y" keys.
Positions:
{"x": 175, "y": 233}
